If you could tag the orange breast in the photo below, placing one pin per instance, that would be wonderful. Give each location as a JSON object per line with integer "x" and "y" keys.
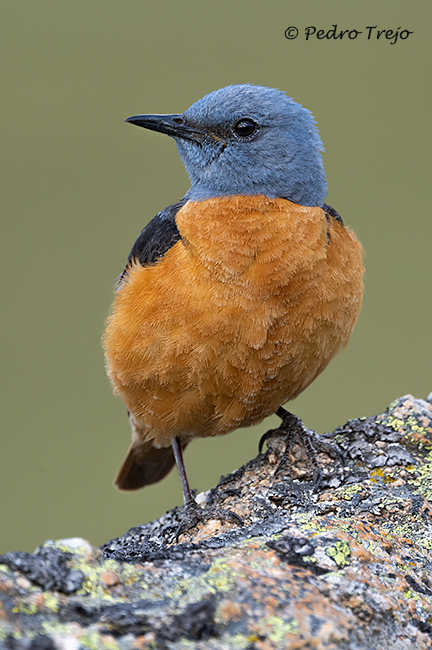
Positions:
{"x": 236, "y": 319}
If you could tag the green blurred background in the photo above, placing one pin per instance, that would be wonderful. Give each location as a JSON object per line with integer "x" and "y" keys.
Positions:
{"x": 78, "y": 185}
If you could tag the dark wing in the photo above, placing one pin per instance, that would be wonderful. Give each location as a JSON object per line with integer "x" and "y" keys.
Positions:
{"x": 156, "y": 238}
{"x": 331, "y": 212}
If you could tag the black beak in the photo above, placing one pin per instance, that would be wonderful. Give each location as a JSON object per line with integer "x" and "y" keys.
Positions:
{"x": 173, "y": 125}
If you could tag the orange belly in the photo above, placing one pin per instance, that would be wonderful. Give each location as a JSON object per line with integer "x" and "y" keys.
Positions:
{"x": 236, "y": 319}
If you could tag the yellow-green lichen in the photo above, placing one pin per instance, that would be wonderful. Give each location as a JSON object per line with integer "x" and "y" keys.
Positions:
{"x": 181, "y": 644}
{"x": 241, "y": 642}
{"x": 279, "y": 628}
{"x": 66, "y": 548}
{"x": 423, "y": 482}
{"x": 371, "y": 546}
{"x": 425, "y": 543}
{"x": 51, "y": 601}
{"x": 308, "y": 524}
{"x": 340, "y": 552}
{"x": 94, "y": 585}
{"x": 260, "y": 564}
{"x": 251, "y": 545}
{"x": 220, "y": 575}
{"x": 409, "y": 425}
{"x": 91, "y": 640}
{"x": 346, "y": 526}
{"x": 411, "y": 595}
{"x": 25, "y": 607}
{"x": 391, "y": 503}
{"x": 412, "y": 530}
{"x": 414, "y": 425}
{"x": 349, "y": 492}
{"x": 219, "y": 578}
{"x": 3, "y": 632}
{"x": 392, "y": 422}
{"x": 59, "y": 629}
{"x": 16, "y": 634}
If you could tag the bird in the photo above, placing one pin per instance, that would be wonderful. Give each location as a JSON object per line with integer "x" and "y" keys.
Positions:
{"x": 235, "y": 298}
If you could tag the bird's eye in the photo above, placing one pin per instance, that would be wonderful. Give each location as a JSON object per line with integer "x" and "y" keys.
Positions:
{"x": 245, "y": 127}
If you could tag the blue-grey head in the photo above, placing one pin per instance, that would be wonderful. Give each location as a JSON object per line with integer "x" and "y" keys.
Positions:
{"x": 247, "y": 139}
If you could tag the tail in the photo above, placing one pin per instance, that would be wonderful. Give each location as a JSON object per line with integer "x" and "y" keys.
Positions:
{"x": 144, "y": 465}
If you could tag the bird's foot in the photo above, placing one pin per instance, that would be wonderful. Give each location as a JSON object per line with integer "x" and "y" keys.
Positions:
{"x": 291, "y": 428}
{"x": 194, "y": 515}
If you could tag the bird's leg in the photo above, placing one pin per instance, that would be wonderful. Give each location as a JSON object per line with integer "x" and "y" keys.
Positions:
{"x": 292, "y": 427}
{"x": 178, "y": 456}
{"x": 194, "y": 513}
{"x": 289, "y": 427}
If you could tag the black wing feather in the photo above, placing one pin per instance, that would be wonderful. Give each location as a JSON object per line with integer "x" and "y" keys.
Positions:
{"x": 156, "y": 238}
{"x": 331, "y": 212}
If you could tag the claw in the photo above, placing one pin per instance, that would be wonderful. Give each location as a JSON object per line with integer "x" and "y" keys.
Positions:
{"x": 230, "y": 492}
{"x": 318, "y": 475}
{"x": 265, "y": 437}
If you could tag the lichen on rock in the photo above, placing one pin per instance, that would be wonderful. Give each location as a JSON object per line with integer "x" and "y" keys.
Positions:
{"x": 346, "y": 566}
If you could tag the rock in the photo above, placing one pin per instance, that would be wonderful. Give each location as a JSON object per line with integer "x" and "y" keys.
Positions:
{"x": 347, "y": 566}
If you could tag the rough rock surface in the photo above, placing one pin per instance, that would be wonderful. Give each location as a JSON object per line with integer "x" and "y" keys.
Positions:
{"x": 348, "y": 566}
